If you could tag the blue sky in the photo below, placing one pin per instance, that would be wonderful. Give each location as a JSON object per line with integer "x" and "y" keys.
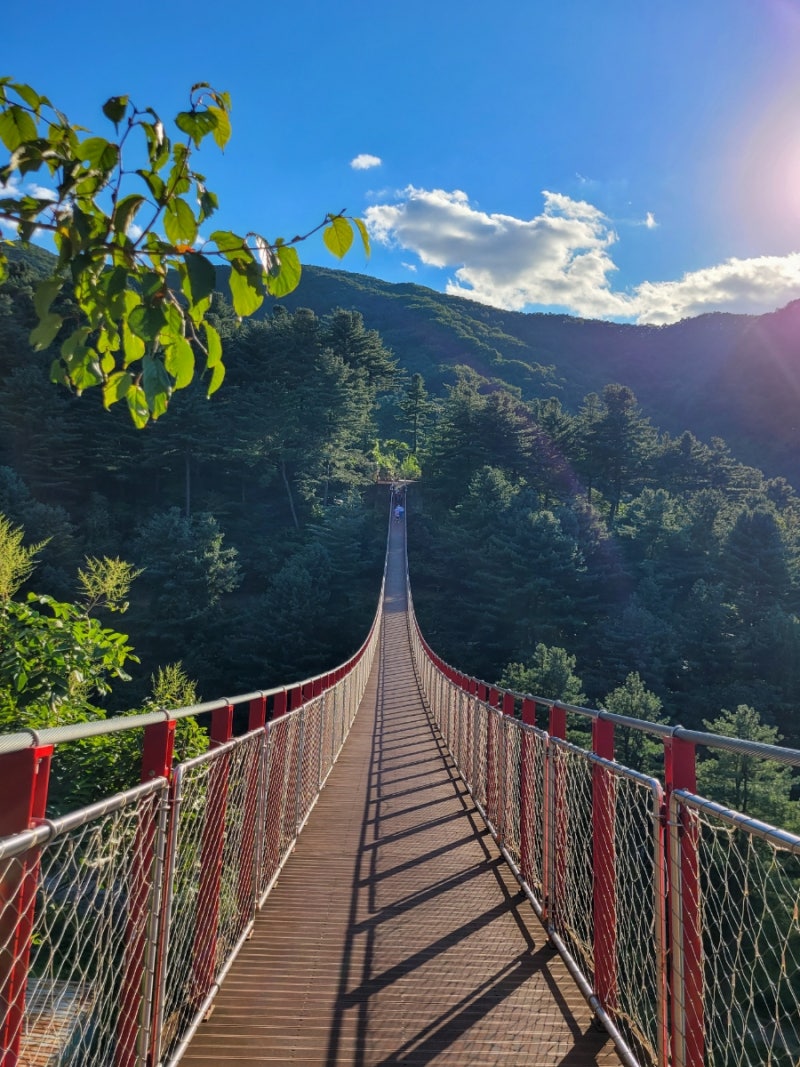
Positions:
{"x": 621, "y": 159}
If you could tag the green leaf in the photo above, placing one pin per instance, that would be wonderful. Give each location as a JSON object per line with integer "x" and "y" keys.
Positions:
{"x": 157, "y": 385}
{"x": 246, "y": 289}
{"x": 217, "y": 375}
{"x": 133, "y": 347}
{"x": 288, "y": 277}
{"x": 99, "y": 154}
{"x": 179, "y": 361}
{"x": 58, "y": 373}
{"x": 201, "y": 277}
{"x": 197, "y": 312}
{"x": 362, "y": 229}
{"x": 222, "y": 131}
{"x": 30, "y": 96}
{"x": 16, "y": 126}
{"x": 125, "y": 212}
{"x": 179, "y": 222}
{"x": 197, "y": 124}
{"x": 46, "y": 292}
{"x": 137, "y": 405}
{"x": 146, "y": 322}
{"x": 76, "y": 342}
{"x": 43, "y": 334}
{"x": 213, "y": 345}
{"x": 230, "y": 245}
{"x": 115, "y": 107}
{"x": 338, "y": 236}
{"x": 116, "y": 388}
{"x": 85, "y": 375}
{"x": 155, "y": 183}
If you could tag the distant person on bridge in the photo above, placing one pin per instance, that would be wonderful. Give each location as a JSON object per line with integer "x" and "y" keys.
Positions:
{"x": 399, "y": 512}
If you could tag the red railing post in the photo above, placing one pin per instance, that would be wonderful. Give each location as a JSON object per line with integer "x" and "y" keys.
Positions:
{"x": 24, "y": 778}
{"x": 604, "y": 883}
{"x": 211, "y": 856}
{"x": 279, "y": 704}
{"x": 157, "y": 750}
{"x": 257, "y": 713}
{"x": 526, "y": 810}
{"x": 683, "y": 872}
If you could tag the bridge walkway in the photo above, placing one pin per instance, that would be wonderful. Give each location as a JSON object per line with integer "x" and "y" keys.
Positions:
{"x": 396, "y": 934}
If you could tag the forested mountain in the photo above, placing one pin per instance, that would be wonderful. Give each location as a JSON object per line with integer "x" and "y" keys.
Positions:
{"x": 730, "y": 376}
{"x": 565, "y": 539}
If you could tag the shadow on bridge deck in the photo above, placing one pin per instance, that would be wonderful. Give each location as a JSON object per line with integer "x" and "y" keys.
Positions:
{"x": 396, "y": 934}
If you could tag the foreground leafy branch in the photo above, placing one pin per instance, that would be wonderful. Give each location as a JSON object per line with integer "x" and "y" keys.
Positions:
{"x": 125, "y": 216}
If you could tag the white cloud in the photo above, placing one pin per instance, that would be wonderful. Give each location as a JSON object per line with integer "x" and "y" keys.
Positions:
{"x": 557, "y": 258}
{"x": 365, "y": 162}
{"x": 410, "y": 266}
{"x": 753, "y": 286}
{"x": 562, "y": 258}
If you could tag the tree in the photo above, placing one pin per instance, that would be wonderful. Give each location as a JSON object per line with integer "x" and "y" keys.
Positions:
{"x": 135, "y": 332}
{"x": 750, "y": 784}
{"x": 633, "y": 748}
{"x": 415, "y": 406}
{"x": 617, "y": 441}
{"x": 756, "y": 564}
{"x": 362, "y": 349}
{"x": 548, "y": 673}
{"x": 54, "y": 656}
{"x": 187, "y": 571}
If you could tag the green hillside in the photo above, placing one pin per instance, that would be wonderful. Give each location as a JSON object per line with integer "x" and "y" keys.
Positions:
{"x": 731, "y": 376}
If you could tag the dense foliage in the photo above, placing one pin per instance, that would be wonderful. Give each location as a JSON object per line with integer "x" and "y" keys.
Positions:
{"x": 718, "y": 375}
{"x": 579, "y": 553}
{"x": 629, "y": 549}
{"x": 125, "y": 213}
{"x": 246, "y": 514}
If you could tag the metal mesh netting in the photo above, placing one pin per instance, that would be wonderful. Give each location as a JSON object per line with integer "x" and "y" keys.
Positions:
{"x": 476, "y": 772}
{"x": 511, "y": 787}
{"x": 91, "y": 878}
{"x": 495, "y": 769}
{"x": 533, "y": 746}
{"x": 117, "y": 922}
{"x": 211, "y": 891}
{"x": 749, "y": 929}
{"x": 633, "y": 884}
{"x": 570, "y": 809}
{"x": 589, "y": 837}
{"x": 310, "y": 761}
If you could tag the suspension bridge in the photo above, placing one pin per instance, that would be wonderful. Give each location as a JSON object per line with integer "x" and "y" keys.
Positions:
{"x": 397, "y": 864}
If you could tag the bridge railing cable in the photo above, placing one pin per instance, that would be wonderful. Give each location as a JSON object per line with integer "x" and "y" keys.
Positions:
{"x": 678, "y": 918}
{"x": 118, "y": 922}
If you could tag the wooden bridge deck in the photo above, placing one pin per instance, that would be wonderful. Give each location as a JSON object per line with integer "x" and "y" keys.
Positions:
{"x": 396, "y": 934}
